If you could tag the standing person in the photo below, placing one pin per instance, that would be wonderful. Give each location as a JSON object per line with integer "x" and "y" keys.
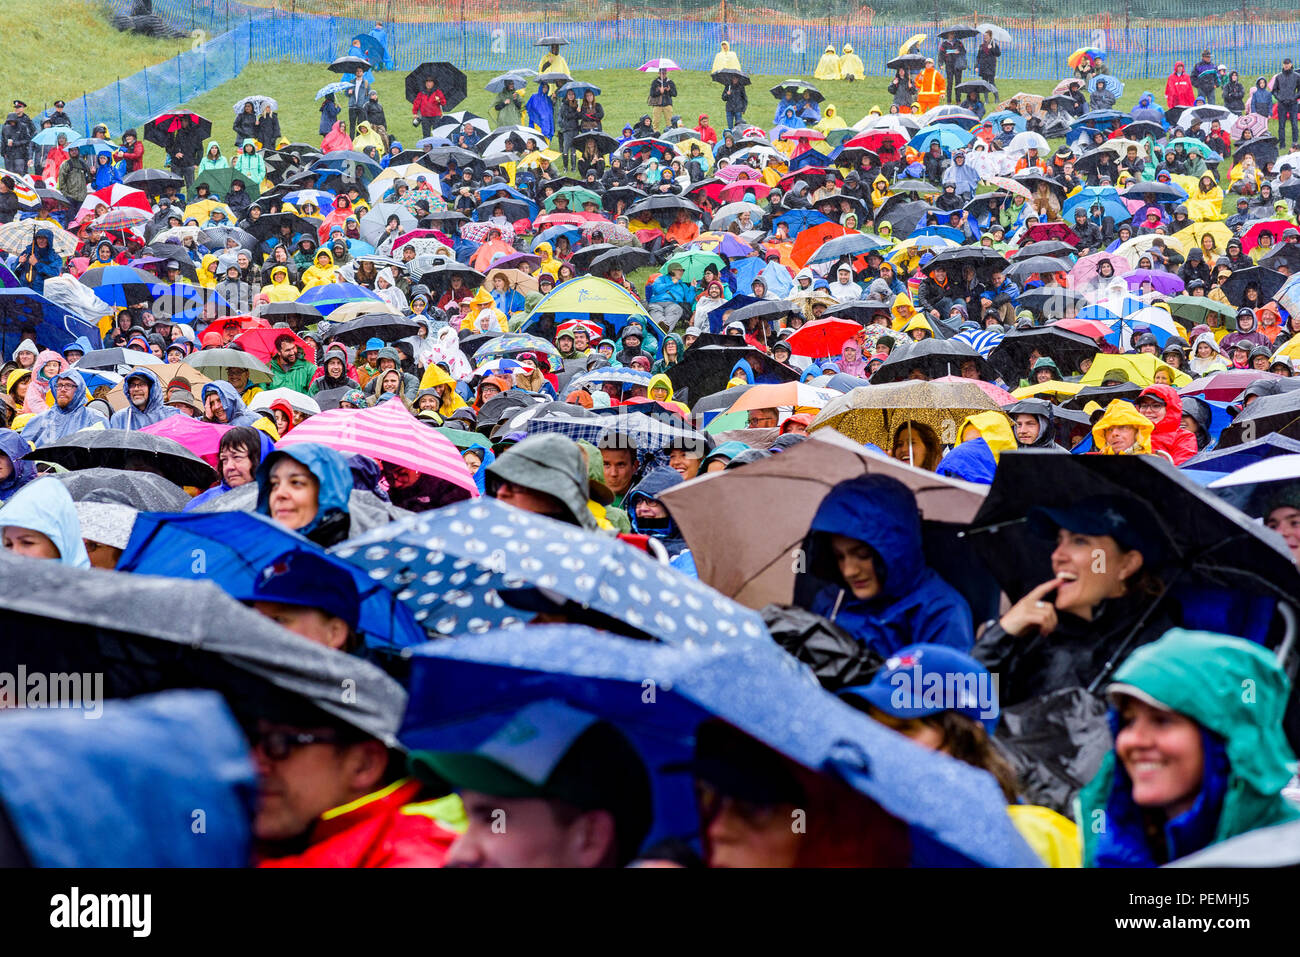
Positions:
{"x": 74, "y": 176}
{"x": 130, "y": 157}
{"x": 552, "y": 62}
{"x": 541, "y": 110}
{"x": 930, "y": 86}
{"x": 508, "y": 106}
{"x": 358, "y": 96}
{"x": 1178, "y": 88}
{"x": 737, "y": 101}
{"x": 245, "y": 125}
{"x": 267, "y": 128}
{"x": 569, "y": 119}
{"x": 58, "y": 117}
{"x": 903, "y": 90}
{"x": 662, "y": 91}
{"x": 1205, "y": 77}
{"x": 427, "y": 108}
{"x": 986, "y": 60}
{"x": 1261, "y": 98}
{"x": 952, "y": 53}
{"x": 1286, "y": 90}
{"x": 16, "y": 138}
{"x": 1234, "y": 94}
{"x": 329, "y": 114}
{"x": 591, "y": 114}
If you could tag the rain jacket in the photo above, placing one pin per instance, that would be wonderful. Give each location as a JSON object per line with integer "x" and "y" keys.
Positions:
{"x": 725, "y": 59}
{"x": 1169, "y": 436}
{"x": 280, "y": 289}
{"x": 382, "y": 829}
{"x": 652, "y": 485}
{"x": 236, "y": 412}
{"x": 208, "y": 163}
{"x": 1247, "y": 758}
{"x": 1178, "y": 88}
{"x": 45, "y": 506}
{"x": 155, "y": 407}
{"x": 1042, "y": 411}
{"x": 851, "y": 67}
{"x": 41, "y": 265}
{"x": 994, "y": 428}
{"x": 331, "y": 523}
{"x": 436, "y": 376}
{"x": 55, "y": 423}
{"x": 1120, "y": 412}
{"x": 251, "y": 165}
{"x": 828, "y": 67}
{"x": 971, "y": 461}
{"x": 915, "y": 604}
{"x": 14, "y": 447}
{"x": 297, "y": 376}
{"x": 317, "y": 275}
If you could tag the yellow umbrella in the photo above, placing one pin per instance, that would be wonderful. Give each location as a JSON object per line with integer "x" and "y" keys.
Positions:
{"x": 1141, "y": 370}
{"x": 536, "y": 156}
{"x": 1289, "y": 350}
{"x": 684, "y": 147}
{"x": 589, "y": 294}
{"x": 201, "y": 210}
{"x": 1050, "y": 387}
{"x": 910, "y": 42}
{"x": 1190, "y": 236}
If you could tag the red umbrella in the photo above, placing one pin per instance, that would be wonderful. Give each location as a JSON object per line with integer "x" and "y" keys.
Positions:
{"x": 1227, "y": 385}
{"x": 822, "y": 338}
{"x": 117, "y": 195}
{"x": 1041, "y": 231}
{"x": 884, "y": 143}
{"x": 735, "y": 192}
{"x": 1275, "y": 227}
{"x": 1092, "y": 328}
{"x": 712, "y": 188}
{"x": 803, "y": 135}
{"x": 261, "y": 343}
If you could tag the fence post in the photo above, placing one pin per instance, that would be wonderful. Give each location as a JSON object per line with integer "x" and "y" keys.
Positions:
{"x": 120, "y": 124}
{"x": 180, "y": 88}
{"x": 1146, "y": 51}
{"x": 85, "y": 113}
{"x": 148, "y": 103}
{"x": 204, "y": 48}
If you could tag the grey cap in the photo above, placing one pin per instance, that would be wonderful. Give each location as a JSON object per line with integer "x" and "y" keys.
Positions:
{"x": 106, "y": 523}
{"x": 552, "y": 464}
{"x": 692, "y": 331}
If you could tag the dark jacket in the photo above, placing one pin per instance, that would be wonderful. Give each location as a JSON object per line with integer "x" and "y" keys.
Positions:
{"x": 652, "y": 485}
{"x": 735, "y": 97}
{"x": 986, "y": 60}
{"x": 662, "y": 92}
{"x": 1286, "y": 86}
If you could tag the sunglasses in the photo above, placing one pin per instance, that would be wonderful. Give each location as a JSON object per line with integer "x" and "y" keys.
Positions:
{"x": 278, "y": 745}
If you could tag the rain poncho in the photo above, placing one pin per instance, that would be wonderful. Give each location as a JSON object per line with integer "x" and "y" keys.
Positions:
{"x": 725, "y": 59}
{"x": 386, "y": 289}
{"x": 45, "y": 506}
{"x": 1120, "y": 412}
{"x": 56, "y": 422}
{"x": 914, "y": 604}
{"x": 335, "y": 478}
{"x": 42, "y": 264}
{"x": 830, "y": 120}
{"x": 1213, "y": 363}
{"x": 435, "y": 377}
{"x": 994, "y": 428}
{"x": 236, "y": 412}
{"x": 1247, "y": 759}
{"x": 280, "y": 289}
{"x": 828, "y": 67}
{"x": 251, "y": 165}
{"x": 320, "y": 275}
{"x": 367, "y": 137}
{"x": 483, "y": 315}
{"x": 1168, "y": 435}
{"x": 21, "y": 471}
{"x": 851, "y": 67}
{"x": 155, "y": 407}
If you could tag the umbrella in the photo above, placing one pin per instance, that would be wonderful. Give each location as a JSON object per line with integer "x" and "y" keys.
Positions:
{"x": 934, "y": 357}
{"x": 374, "y": 223}
{"x": 726, "y": 76}
{"x": 874, "y": 413}
{"x": 445, "y": 76}
{"x": 822, "y": 337}
{"x": 386, "y": 327}
{"x": 283, "y": 311}
{"x": 1263, "y": 148}
{"x": 579, "y": 88}
{"x": 16, "y": 236}
{"x": 111, "y": 359}
{"x": 1000, "y": 36}
{"x": 329, "y": 89}
{"x": 706, "y": 369}
{"x": 976, "y": 86}
{"x": 958, "y": 33}
{"x": 259, "y": 102}
{"x": 626, "y": 259}
{"x": 120, "y": 285}
{"x": 1226, "y": 385}
{"x": 498, "y": 83}
{"x": 646, "y": 433}
{"x": 201, "y": 438}
{"x": 143, "y": 491}
{"x": 551, "y": 41}
{"x": 219, "y": 181}
{"x": 1067, "y": 349}
{"x": 602, "y": 674}
{"x": 164, "y": 129}
{"x": 349, "y": 64}
{"x": 659, "y": 63}
{"x": 911, "y": 62}
{"x": 1268, "y": 281}
{"x": 296, "y": 400}
{"x": 1026, "y": 141}
{"x": 1266, "y": 415}
{"x": 1274, "y": 227}
{"x": 1024, "y": 268}
{"x": 849, "y": 245}
{"x": 1162, "y": 282}
{"x": 261, "y": 343}
{"x": 513, "y": 343}
{"x": 329, "y": 297}
{"x": 798, "y": 88}
{"x": 127, "y": 449}
{"x": 597, "y": 377}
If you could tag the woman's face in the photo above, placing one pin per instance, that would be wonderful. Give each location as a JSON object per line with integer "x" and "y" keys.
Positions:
{"x": 295, "y": 494}
{"x": 29, "y": 543}
{"x": 857, "y": 566}
{"x": 391, "y": 382}
{"x": 1162, "y": 754}
{"x": 912, "y": 452}
{"x": 1091, "y": 568}
{"x": 51, "y": 369}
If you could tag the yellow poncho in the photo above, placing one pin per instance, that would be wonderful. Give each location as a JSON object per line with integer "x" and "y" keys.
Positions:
{"x": 725, "y": 59}
{"x": 994, "y": 428}
{"x": 1120, "y": 412}
{"x": 830, "y": 120}
{"x": 851, "y": 67}
{"x": 828, "y": 67}
{"x": 1205, "y": 205}
{"x": 280, "y": 289}
{"x": 318, "y": 275}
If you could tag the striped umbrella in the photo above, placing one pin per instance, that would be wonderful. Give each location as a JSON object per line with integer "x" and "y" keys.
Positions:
{"x": 329, "y": 297}
{"x": 388, "y": 433}
{"x": 982, "y": 341}
{"x": 125, "y": 217}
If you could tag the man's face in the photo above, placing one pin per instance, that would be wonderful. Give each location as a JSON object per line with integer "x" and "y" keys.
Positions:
{"x": 399, "y": 476}
{"x": 213, "y": 410}
{"x": 533, "y": 835}
{"x": 238, "y": 378}
{"x": 64, "y": 392}
{"x": 763, "y": 418}
{"x": 1285, "y": 520}
{"x": 620, "y": 465}
{"x": 139, "y": 391}
{"x": 287, "y": 350}
{"x": 311, "y": 779}
{"x": 1027, "y": 428}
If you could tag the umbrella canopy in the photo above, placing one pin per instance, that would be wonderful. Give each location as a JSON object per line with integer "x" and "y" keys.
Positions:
{"x": 658, "y": 63}
{"x": 822, "y": 337}
{"x": 127, "y": 449}
{"x": 112, "y": 359}
{"x": 386, "y": 327}
{"x": 164, "y": 129}
{"x": 1067, "y": 349}
{"x": 348, "y": 64}
{"x": 934, "y": 357}
{"x": 201, "y": 438}
{"x": 215, "y": 363}
{"x": 706, "y": 369}
{"x": 446, "y": 77}
{"x": 1267, "y": 281}
{"x": 143, "y": 491}
{"x": 874, "y": 413}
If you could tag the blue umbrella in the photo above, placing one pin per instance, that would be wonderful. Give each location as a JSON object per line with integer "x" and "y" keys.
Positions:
{"x": 329, "y": 297}
{"x": 24, "y": 308}
{"x": 579, "y": 89}
{"x": 982, "y": 341}
{"x": 97, "y": 146}
{"x": 1111, "y": 83}
{"x": 185, "y": 302}
{"x": 235, "y": 547}
{"x": 50, "y": 137}
{"x": 329, "y": 89}
{"x": 955, "y": 813}
{"x": 371, "y": 49}
{"x": 457, "y": 566}
{"x": 800, "y": 219}
{"x": 324, "y": 201}
{"x": 1107, "y": 196}
{"x": 995, "y": 120}
{"x": 429, "y": 142}
{"x": 936, "y": 232}
{"x": 551, "y": 234}
{"x": 949, "y": 137}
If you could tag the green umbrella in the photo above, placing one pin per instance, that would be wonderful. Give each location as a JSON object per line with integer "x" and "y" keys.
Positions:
{"x": 1192, "y": 145}
{"x": 219, "y": 181}
{"x": 694, "y": 262}
{"x": 576, "y": 195}
{"x": 1192, "y": 310}
{"x": 463, "y": 439}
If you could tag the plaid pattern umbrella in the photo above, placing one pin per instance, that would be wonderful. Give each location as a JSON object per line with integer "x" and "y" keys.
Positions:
{"x": 478, "y": 232}
{"x": 122, "y": 218}
{"x": 650, "y": 434}
{"x": 17, "y": 236}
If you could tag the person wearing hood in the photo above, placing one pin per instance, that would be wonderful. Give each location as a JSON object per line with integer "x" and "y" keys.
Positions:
{"x": 830, "y": 120}
{"x": 386, "y": 289}
{"x": 546, "y": 474}
{"x": 725, "y": 59}
{"x": 828, "y": 67}
{"x": 671, "y": 353}
{"x": 1179, "y": 91}
{"x": 1246, "y": 332}
{"x": 1034, "y": 424}
{"x": 40, "y": 521}
{"x": 306, "y": 488}
{"x": 39, "y": 261}
{"x": 843, "y": 289}
{"x": 962, "y": 176}
{"x": 444, "y": 386}
{"x": 334, "y": 371}
{"x": 1164, "y": 407}
{"x": 322, "y": 272}
{"x": 145, "y": 402}
{"x": 1195, "y": 760}
{"x": 851, "y": 361}
{"x": 280, "y": 288}
{"x": 74, "y": 176}
{"x": 649, "y": 516}
{"x": 15, "y": 471}
{"x": 851, "y": 67}
{"x": 632, "y": 337}
{"x": 223, "y": 406}
{"x": 866, "y": 570}
{"x": 1122, "y": 430}
{"x": 70, "y": 413}
{"x": 250, "y": 163}
{"x": 212, "y": 158}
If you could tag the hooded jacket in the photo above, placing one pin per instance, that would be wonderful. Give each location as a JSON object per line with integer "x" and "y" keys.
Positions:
{"x": 280, "y": 288}
{"x": 1178, "y": 88}
{"x": 56, "y": 422}
{"x": 317, "y": 275}
{"x": 1120, "y": 412}
{"x": 971, "y": 461}
{"x": 45, "y": 506}
{"x": 914, "y": 605}
{"x": 994, "y": 428}
{"x": 1247, "y": 758}
{"x": 236, "y": 412}
{"x": 1043, "y": 412}
{"x": 552, "y": 464}
{"x": 653, "y": 484}
{"x": 331, "y": 523}
{"x": 1169, "y": 436}
{"x": 155, "y": 406}
{"x": 13, "y": 446}
{"x": 42, "y": 264}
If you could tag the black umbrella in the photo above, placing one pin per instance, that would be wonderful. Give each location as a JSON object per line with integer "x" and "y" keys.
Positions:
{"x": 706, "y": 369}
{"x": 1262, "y": 147}
{"x": 604, "y": 142}
{"x": 583, "y": 256}
{"x": 1087, "y": 163}
{"x": 625, "y": 258}
{"x": 901, "y": 215}
{"x": 1024, "y": 268}
{"x": 1162, "y": 191}
{"x": 763, "y": 310}
{"x": 726, "y": 76}
{"x": 1045, "y": 247}
{"x": 1266, "y": 415}
{"x": 1052, "y": 302}
{"x": 446, "y": 77}
{"x": 1103, "y": 395}
{"x": 1011, "y": 356}
{"x": 281, "y": 311}
{"x": 798, "y": 88}
{"x": 439, "y": 277}
{"x": 1033, "y": 177}
{"x": 958, "y": 33}
{"x": 979, "y": 205}
{"x": 514, "y": 209}
{"x": 1207, "y": 544}
{"x": 153, "y": 181}
{"x": 380, "y": 326}
{"x": 441, "y": 157}
{"x": 977, "y": 256}
{"x": 859, "y": 310}
{"x": 175, "y": 128}
{"x": 143, "y": 491}
{"x": 663, "y": 203}
{"x": 551, "y": 41}
{"x": 348, "y": 65}
{"x": 1268, "y": 281}
{"x": 449, "y": 216}
{"x": 720, "y": 401}
{"x": 330, "y": 398}
{"x": 1282, "y": 254}
{"x": 127, "y": 449}
{"x": 979, "y": 86}
{"x": 935, "y": 357}
{"x": 911, "y": 62}
{"x": 268, "y": 224}
{"x": 215, "y": 238}
{"x": 146, "y": 633}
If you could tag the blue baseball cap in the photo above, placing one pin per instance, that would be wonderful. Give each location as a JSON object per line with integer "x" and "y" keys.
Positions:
{"x": 304, "y": 578}
{"x": 921, "y": 680}
{"x": 1128, "y": 522}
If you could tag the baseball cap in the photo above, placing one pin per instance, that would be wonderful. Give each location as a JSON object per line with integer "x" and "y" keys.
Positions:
{"x": 1125, "y": 520}
{"x": 307, "y": 579}
{"x": 921, "y": 680}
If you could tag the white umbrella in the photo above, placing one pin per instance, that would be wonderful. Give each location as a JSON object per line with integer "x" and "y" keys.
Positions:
{"x": 372, "y": 223}
{"x": 1028, "y": 140}
{"x": 518, "y": 77}
{"x": 297, "y": 401}
{"x": 258, "y": 102}
{"x": 1277, "y": 468}
{"x": 496, "y": 142}
{"x": 726, "y": 214}
{"x": 1000, "y": 36}
{"x": 904, "y": 125}
{"x": 947, "y": 111}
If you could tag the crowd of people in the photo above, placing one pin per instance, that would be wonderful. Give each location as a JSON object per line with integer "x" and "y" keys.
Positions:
{"x": 701, "y": 372}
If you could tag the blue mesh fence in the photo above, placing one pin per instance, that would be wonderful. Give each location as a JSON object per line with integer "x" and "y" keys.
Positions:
{"x": 227, "y": 36}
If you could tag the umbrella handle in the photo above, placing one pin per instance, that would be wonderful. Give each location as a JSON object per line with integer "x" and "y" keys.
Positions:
{"x": 1122, "y": 650}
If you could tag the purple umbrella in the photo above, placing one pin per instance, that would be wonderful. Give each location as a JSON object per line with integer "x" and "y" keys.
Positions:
{"x": 1162, "y": 282}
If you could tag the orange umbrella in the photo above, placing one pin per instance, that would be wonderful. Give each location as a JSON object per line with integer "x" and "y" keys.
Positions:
{"x": 795, "y": 395}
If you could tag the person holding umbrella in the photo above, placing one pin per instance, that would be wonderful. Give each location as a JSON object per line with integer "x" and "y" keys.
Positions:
{"x": 358, "y": 97}
{"x": 736, "y": 100}
{"x": 660, "y": 100}
{"x": 986, "y": 60}
{"x": 426, "y": 109}
{"x": 553, "y": 62}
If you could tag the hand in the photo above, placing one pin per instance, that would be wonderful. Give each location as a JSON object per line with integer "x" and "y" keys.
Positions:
{"x": 1033, "y": 613}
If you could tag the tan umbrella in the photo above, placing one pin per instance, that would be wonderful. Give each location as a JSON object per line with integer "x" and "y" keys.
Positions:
{"x": 874, "y": 413}
{"x": 367, "y": 307}
{"x": 754, "y": 558}
{"x": 165, "y": 373}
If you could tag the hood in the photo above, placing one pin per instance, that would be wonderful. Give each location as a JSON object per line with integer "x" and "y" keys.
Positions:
{"x": 553, "y": 464}
{"x": 236, "y": 412}
{"x": 1178, "y": 65}
{"x": 79, "y": 398}
{"x": 1043, "y": 412}
{"x": 45, "y": 506}
{"x": 742, "y": 369}
{"x": 436, "y": 375}
{"x": 155, "y": 401}
{"x": 1146, "y": 100}
{"x": 971, "y": 461}
{"x": 329, "y": 467}
{"x": 1120, "y": 412}
{"x": 25, "y": 346}
{"x": 881, "y": 512}
{"x": 279, "y": 274}
{"x": 994, "y": 428}
{"x": 15, "y": 447}
{"x": 661, "y": 381}
{"x": 1173, "y": 419}
{"x": 323, "y": 251}
{"x": 652, "y": 485}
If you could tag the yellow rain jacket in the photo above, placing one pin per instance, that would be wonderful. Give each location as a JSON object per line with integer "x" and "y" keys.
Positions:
{"x": 903, "y": 310}
{"x": 281, "y": 290}
{"x": 919, "y": 322}
{"x": 662, "y": 381}
{"x": 725, "y": 59}
{"x": 1054, "y": 837}
{"x": 1205, "y": 206}
{"x": 550, "y": 263}
{"x": 318, "y": 275}
{"x": 994, "y": 428}
{"x": 830, "y": 121}
{"x": 879, "y": 191}
{"x": 1120, "y": 412}
{"x": 484, "y": 315}
{"x": 366, "y": 136}
{"x": 208, "y": 278}
{"x": 828, "y": 67}
{"x": 434, "y": 377}
{"x": 851, "y": 65}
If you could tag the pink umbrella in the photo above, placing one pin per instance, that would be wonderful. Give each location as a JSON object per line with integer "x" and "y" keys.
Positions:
{"x": 201, "y": 438}
{"x": 1248, "y": 121}
{"x": 659, "y": 63}
{"x": 1086, "y": 268}
{"x": 997, "y": 394}
{"x": 735, "y": 192}
{"x": 1226, "y": 385}
{"x": 803, "y": 135}
{"x": 737, "y": 171}
{"x": 478, "y": 232}
{"x": 387, "y": 433}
